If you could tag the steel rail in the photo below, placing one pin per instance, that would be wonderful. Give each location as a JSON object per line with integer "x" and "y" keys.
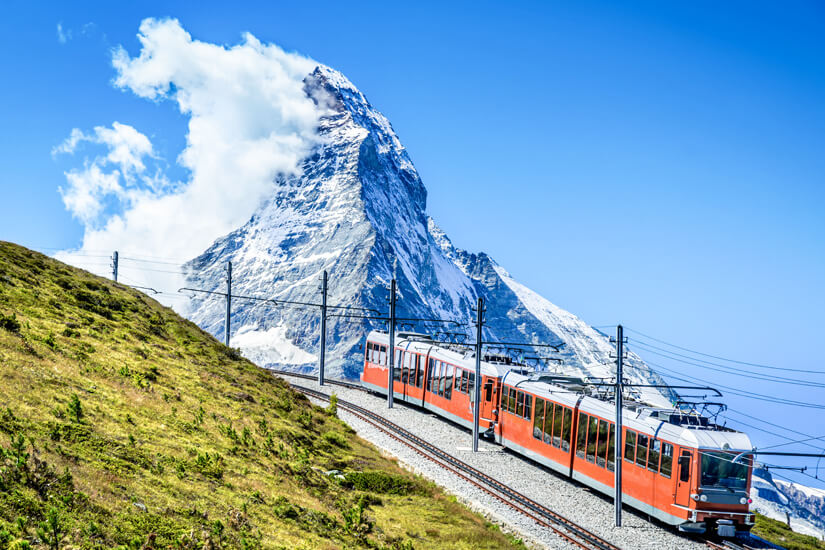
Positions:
{"x": 564, "y": 527}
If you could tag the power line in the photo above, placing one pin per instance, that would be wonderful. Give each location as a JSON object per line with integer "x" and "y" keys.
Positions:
{"x": 150, "y": 261}
{"x": 735, "y": 391}
{"x": 733, "y": 370}
{"x": 723, "y": 358}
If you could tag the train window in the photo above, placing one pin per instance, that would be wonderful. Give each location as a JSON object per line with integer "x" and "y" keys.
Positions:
{"x": 430, "y": 369}
{"x": 557, "y": 425}
{"x": 419, "y": 371}
{"x": 405, "y": 368}
{"x": 528, "y": 406}
{"x": 630, "y": 445}
{"x": 438, "y": 378}
{"x": 382, "y": 355}
{"x": 611, "y": 448}
{"x": 538, "y": 420}
{"x": 653, "y": 455}
{"x": 601, "y": 448}
{"x": 641, "y": 450}
{"x": 442, "y": 380}
{"x": 505, "y": 398}
{"x": 684, "y": 466}
{"x": 667, "y": 459}
{"x": 471, "y": 382}
{"x": 581, "y": 438}
{"x": 488, "y": 390}
{"x": 399, "y": 362}
{"x": 592, "y": 432}
{"x": 567, "y": 431}
{"x": 465, "y": 377}
{"x": 459, "y": 374}
{"x": 448, "y": 388}
{"x": 519, "y": 403}
{"x": 368, "y": 351}
{"x": 548, "y": 422}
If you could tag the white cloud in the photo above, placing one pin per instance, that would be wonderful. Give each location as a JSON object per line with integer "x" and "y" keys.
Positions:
{"x": 63, "y": 35}
{"x": 249, "y": 120}
{"x": 101, "y": 177}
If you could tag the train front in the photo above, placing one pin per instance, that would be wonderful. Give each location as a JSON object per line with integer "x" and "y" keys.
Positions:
{"x": 720, "y": 490}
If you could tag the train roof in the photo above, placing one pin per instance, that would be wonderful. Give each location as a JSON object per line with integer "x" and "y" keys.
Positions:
{"x": 570, "y": 390}
{"x": 456, "y": 354}
{"x": 647, "y": 420}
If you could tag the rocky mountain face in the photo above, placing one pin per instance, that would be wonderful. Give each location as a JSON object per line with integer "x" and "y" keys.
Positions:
{"x": 358, "y": 211}
{"x": 803, "y": 507}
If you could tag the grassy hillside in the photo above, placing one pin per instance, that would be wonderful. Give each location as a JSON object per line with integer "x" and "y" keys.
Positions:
{"x": 778, "y": 533}
{"x": 123, "y": 425}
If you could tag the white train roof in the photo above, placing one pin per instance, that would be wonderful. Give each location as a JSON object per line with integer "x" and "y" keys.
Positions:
{"x": 640, "y": 419}
{"x": 421, "y": 343}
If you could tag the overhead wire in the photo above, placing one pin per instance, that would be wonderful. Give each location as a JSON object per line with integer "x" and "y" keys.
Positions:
{"x": 735, "y": 371}
{"x": 723, "y": 358}
{"x": 735, "y": 391}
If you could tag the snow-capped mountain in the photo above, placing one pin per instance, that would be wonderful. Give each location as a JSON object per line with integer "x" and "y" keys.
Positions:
{"x": 803, "y": 506}
{"x": 358, "y": 211}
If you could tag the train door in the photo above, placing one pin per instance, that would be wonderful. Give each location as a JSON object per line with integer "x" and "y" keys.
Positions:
{"x": 487, "y": 399}
{"x": 683, "y": 478}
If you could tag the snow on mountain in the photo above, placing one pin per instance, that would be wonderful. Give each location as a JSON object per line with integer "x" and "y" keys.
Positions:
{"x": 358, "y": 211}
{"x": 803, "y": 506}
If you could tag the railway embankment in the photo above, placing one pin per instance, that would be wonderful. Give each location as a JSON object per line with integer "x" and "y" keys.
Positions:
{"x": 575, "y": 502}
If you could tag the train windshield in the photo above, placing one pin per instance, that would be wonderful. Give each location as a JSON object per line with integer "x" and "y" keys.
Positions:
{"x": 719, "y": 470}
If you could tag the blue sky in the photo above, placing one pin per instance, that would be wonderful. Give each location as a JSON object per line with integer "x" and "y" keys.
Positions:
{"x": 659, "y": 165}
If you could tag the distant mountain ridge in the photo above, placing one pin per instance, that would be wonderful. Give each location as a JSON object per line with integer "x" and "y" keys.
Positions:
{"x": 780, "y": 499}
{"x": 358, "y": 211}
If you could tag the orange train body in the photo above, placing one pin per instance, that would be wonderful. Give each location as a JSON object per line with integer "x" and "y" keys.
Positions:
{"x": 680, "y": 469}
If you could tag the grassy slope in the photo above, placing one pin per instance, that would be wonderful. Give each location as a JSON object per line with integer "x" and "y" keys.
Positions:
{"x": 173, "y": 440}
{"x": 778, "y": 533}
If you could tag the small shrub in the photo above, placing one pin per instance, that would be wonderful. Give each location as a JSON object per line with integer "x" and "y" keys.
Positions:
{"x": 336, "y": 439}
{"x": 49, "y": 341}
{"x": 51, "y": 531}
{"x": 152, "y": 374}
{"x": 75, "y": 408}
{"x": 10, "y": 323}
{"x": 380, "y": 482}
{"x": 332, "y": 408}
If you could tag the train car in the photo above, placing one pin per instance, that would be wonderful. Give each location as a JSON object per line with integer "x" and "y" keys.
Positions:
{"x": 433, "y": 377}
{"x": 679, "y": 468}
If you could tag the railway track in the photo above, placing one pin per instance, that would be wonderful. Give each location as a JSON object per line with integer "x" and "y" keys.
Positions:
{"x": 563, "y": 527}
{"x": 541, "y": 515}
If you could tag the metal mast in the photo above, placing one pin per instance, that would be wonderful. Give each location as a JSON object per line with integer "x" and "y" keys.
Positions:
{"x": 323, "y": 329}
{"x": 390, "y": 371}
{"x": 477, "y": 386}
{"x": 617, "y": 447}
{"x": 228, "y": 302}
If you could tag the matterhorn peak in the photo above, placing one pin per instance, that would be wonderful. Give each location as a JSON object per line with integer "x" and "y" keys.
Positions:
{"x": 357, "y": 211}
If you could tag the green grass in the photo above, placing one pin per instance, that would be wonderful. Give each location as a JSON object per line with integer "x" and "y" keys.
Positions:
{"x": 124, "y": 425}
{"x": 778, "y": 533}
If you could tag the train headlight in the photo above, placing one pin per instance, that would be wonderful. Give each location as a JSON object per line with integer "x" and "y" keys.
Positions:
{"x": 694, "y": 496}
{"x": 703, "y": 498}
{"x": 743, "y": 500}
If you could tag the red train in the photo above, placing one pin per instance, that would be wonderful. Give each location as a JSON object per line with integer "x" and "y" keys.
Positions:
{"x": 678, "y": 467}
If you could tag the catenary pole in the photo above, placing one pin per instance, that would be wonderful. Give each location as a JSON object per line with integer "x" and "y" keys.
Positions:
{"x": 228, "y": 302}
{"x": 391, "y": 371}
{"x": 114, "y": 266}
{"x": 617, "y": 447}
{"x": 477, "y": 385}
{"x": 323, "y": 329}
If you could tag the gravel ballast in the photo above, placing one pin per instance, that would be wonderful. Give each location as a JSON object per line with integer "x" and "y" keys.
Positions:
{"x": 572, "y": 500}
